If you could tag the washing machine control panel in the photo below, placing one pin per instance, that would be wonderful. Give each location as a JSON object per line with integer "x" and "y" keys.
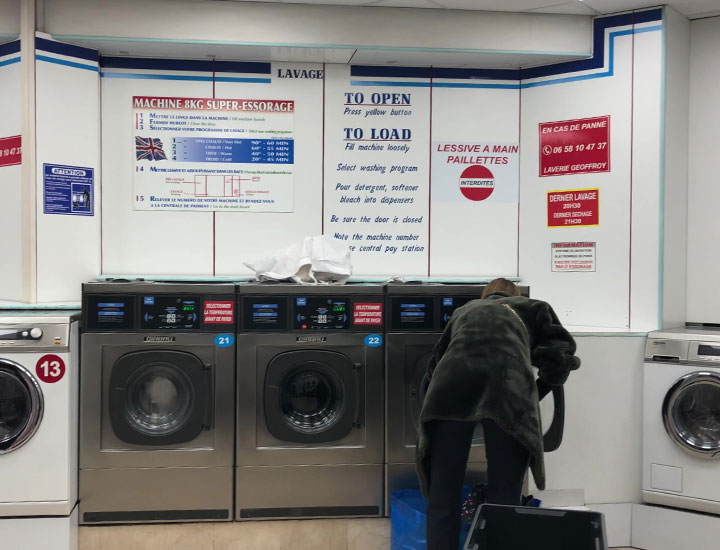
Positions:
{"x": 321, "y": 312}
{"x": 165, "y": 312}
{"x": 312, "y": 312}
{"x": 21, "y": 333}
{"x": 414, "y": 313}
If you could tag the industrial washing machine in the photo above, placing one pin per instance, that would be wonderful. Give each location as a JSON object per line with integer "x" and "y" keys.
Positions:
{"x": 310, "y": 401}
{"x": 681, "y": 419}
{"x": 157, "y": 402}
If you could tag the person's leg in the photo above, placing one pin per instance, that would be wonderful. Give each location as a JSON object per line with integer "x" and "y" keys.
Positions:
{"x": 507, "y": 464}
{"x": 449, "y": 449}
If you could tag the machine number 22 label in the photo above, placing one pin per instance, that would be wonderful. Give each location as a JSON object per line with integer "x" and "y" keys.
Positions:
{"x": 373, "y": 340}
{"x": 50, "y": 369}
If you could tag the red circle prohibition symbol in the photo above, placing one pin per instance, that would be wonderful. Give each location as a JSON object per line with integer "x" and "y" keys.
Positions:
{"x": 477, "y": 183}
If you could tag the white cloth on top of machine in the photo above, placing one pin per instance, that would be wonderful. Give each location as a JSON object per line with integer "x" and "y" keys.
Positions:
{"x": 318, "y": 259}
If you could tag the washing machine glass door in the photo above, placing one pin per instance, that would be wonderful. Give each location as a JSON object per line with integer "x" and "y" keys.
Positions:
{"x": 159, "y": 397}
{"x": 21, "y": 405}
{"x": 312, "y": 396}
{"x": 691, "y": 413}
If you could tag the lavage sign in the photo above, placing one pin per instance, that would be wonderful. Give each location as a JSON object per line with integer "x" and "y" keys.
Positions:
{"x": 300, "y": 73}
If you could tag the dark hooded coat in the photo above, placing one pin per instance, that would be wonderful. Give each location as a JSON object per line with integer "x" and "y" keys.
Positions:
{"x": 481, "y": 369}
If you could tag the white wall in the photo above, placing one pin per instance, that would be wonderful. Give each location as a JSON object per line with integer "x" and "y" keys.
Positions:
{"x": 144, "y": 242}
{"x": 11, "y": 220}
{"x": 703, "y": 262}
{"x": 68, "y": 133}
{"x": 601, "y": 448}
{"x": 574, "y": 295}
{"x": 646, "y": 183}
{"x": 293, "y": 24}
{"x": 9, "y": 18}
{"x": 674, "y": 231}
{"x": 246, "y": 236}
{"x": 623, "y": 290}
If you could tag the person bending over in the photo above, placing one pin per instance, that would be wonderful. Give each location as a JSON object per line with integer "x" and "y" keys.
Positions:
{"x": 481, "y": 372}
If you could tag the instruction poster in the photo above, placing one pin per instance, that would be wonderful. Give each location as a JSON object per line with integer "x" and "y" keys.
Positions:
{"x": 207, "y": 154}
{"x": 376, "y": 176}
{"x": 573, "y": 256}
{"x": 578, "y": 146}
{"x": 475, "y": 172}
{"x": 68, "y": 190}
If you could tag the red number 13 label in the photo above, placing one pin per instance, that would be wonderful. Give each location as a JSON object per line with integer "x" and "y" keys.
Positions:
{"x": 50, "y": 369}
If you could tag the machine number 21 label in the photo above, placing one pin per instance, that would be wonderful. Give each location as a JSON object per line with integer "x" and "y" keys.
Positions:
{"x": 224, "y": 340}
{"x": 50, "y": 369}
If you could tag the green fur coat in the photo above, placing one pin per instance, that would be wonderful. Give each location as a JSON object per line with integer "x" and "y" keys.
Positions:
{"x": 481, "y": 369}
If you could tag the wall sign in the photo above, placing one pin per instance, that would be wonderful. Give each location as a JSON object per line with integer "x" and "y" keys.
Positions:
{"x": 213, "y": 154}
{"x": 10, "y": 151}
{"x": 68, "y": 190}
{"x": 475, "y": 172}
{"x": 577, "y": 146}
{"x": 574, "y": 207}
{"x": 573, "y": 256}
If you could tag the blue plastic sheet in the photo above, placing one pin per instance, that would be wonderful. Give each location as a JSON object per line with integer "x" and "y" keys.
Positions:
{"x": 408, "y": 513}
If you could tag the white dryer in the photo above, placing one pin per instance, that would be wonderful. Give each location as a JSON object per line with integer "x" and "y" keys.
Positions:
{"x": 681, "y": 420}
{"x": 38, "y": 415}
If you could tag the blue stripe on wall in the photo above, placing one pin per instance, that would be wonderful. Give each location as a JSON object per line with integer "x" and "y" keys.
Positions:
{"x": 197, "y": 65}
{"x": 392, "y": 72}
{"x": 597, "y": 61}
{"x": 477, "y": 74}
{"x": 9, "y": 48}
{"x": 185, "y": 77}
{"x": 66, "y": 49}
{"x": 242, "y": 67}
{"x": 57, "y": 61}
{"x": 156, "y": 64}
{"x": 598, "y": 58}
{"x": 10, "y": 61}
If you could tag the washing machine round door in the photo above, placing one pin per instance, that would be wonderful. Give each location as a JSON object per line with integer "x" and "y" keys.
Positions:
{"x": 312, "y": 396}
{"x": 159, "y": 397}
{"x": 21, "y": 406}
{"x": 691, "y": 413}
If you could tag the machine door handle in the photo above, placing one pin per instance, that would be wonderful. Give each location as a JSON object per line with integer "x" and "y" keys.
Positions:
{"x": 359, "y": 397}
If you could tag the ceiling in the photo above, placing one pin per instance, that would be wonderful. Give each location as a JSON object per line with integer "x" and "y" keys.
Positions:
{"x": 690, "y": 8}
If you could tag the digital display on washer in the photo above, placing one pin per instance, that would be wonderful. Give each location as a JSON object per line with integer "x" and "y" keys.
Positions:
{"x": 412, "y": 313}
{"x": 110, "y": 312}
{"x": 709, "y": 350}
{"x": 265, "y": 312}
{"x": 170, "y": 312}
{"x": 448, "y": 305}
{"x": 321, "y": 313}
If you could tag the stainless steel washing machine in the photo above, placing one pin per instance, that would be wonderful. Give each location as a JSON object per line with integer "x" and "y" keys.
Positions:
{"x": 157, "y": 402}
{"x": 417, "y": 314}
{"x": 310, "y": 401}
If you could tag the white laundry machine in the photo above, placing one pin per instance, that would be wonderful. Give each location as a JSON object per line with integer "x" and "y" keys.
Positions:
{"x": 681, "y": 420}
{"x": 38, "y": 429}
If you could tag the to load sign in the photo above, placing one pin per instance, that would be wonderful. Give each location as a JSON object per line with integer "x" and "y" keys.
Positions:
{"x": 578, "y": 146}
{"x": 573, "y": 207}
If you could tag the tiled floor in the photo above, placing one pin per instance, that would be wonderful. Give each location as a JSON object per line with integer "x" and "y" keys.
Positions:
{"x": 357, "y": 534}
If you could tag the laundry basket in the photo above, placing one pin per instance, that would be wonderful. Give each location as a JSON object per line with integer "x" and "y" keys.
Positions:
{"x": 408, "y": 514}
